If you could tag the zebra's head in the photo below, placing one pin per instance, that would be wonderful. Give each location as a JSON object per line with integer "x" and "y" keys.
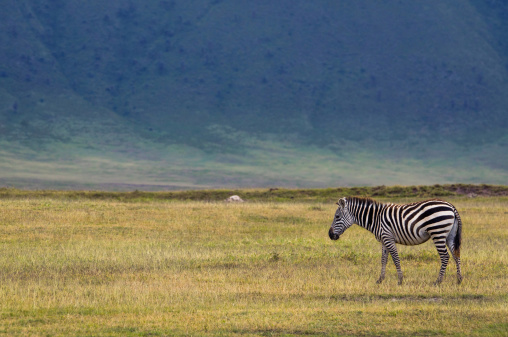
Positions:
{"x": 342, "y": 220}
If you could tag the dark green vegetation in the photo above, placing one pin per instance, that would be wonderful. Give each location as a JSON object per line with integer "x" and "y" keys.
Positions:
{"x": 205, "y": 93}
{"x": 327, "y": 195}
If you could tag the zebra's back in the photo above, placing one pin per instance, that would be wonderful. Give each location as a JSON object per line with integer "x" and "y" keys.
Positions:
{"x": 413, "y": 224}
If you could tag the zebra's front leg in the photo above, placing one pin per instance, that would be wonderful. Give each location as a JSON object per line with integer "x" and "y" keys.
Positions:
{"x": 384, "y": 260}
{"x": 389, "y": 243}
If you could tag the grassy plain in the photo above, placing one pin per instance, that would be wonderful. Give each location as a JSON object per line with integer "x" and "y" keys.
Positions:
{"x": 83, "y": 267}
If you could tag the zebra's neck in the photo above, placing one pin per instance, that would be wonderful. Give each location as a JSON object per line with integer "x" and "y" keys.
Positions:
{"x": 365, "y": 213}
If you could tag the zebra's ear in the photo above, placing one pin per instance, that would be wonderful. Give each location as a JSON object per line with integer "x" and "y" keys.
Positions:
{"x": 341, "y": 202}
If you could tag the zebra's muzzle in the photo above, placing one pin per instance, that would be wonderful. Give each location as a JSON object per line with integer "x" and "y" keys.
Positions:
{"x": 332, "y": 235}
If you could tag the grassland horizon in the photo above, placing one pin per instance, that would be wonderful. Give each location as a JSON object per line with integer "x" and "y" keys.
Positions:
{"x": 272, "y": 194}
{"x": 73, "y": 265}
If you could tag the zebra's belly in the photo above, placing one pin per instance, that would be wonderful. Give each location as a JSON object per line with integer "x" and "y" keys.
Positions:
{"x": 411, "y": 240}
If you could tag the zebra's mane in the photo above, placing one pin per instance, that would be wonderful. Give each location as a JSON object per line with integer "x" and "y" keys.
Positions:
{"x": 363, "y": 200}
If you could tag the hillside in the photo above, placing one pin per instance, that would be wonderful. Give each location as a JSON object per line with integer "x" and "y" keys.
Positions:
{"x": 202, "y": 93}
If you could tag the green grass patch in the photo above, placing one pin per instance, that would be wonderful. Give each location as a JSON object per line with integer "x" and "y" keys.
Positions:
{"x": 271, "y": 194}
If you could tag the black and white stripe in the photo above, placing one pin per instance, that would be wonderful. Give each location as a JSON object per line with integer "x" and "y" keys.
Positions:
{"x": 408, "y": 224}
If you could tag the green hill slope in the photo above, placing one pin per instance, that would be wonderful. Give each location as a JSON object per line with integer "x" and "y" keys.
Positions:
{"x": 209, "y": 93}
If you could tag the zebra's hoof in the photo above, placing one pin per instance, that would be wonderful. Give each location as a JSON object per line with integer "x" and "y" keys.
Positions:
{"x": 379, "y": 281}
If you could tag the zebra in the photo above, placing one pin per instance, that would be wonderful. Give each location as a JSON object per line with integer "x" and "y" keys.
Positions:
{"x": 407, "y": 224}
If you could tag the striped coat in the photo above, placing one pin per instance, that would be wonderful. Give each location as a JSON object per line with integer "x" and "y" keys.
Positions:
{"x": 408, "y": 224}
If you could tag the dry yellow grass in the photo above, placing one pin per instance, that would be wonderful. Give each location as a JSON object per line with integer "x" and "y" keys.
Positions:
{"x": 108, "y": 268}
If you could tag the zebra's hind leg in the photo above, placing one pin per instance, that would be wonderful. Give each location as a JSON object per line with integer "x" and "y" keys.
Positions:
{"x": 440, "y": 243}
{"x": 384, "y": 260}
{"x": 456, "y": 257}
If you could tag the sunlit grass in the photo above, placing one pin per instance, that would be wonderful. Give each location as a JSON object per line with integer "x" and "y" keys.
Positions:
{"x": 92, "y": 267}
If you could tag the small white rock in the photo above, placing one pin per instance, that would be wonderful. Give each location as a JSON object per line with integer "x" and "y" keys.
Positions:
{"x": 234, "y": 198}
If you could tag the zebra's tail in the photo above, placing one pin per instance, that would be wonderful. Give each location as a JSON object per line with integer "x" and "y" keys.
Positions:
{"x": 458, "y": 235}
